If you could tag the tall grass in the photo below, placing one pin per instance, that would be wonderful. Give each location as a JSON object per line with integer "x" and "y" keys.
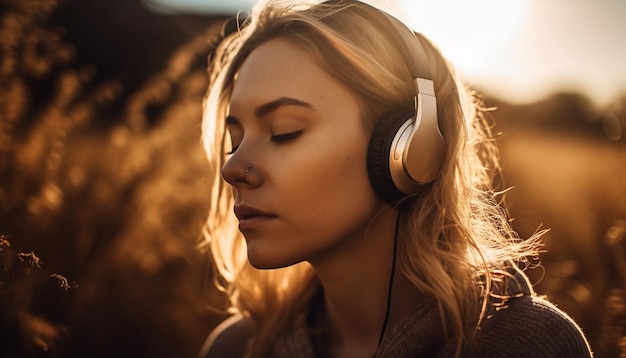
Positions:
{"x": 106, "y": 188}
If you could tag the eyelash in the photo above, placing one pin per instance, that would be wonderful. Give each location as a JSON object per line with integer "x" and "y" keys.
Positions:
{"x": 278, "y": 138}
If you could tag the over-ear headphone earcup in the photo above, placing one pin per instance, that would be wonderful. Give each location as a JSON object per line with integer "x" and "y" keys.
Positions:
{"x": 378, "y": 154}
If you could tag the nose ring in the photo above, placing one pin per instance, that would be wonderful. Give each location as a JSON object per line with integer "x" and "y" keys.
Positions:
{"x": 245, "y": 174}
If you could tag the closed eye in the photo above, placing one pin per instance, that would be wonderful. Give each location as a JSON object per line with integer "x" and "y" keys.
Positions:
{"x": 232, "y": 151}
{"x": 235, "y": 139}
{"x": 286, "y": 136}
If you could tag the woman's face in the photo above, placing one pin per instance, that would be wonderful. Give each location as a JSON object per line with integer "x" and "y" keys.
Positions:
{"x": 307, "y": 192}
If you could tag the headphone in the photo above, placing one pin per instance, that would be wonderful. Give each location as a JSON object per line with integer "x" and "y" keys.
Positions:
{"x": 406, "y": 149}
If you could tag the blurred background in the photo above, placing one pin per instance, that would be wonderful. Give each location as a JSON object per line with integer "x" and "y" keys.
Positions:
{"x": 102, "y": 192}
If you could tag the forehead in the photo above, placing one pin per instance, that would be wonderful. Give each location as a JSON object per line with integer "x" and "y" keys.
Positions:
{"x": 280, "y": 68}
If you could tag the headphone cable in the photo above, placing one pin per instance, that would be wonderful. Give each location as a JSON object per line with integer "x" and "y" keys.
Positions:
{"x": 391, "y": 276}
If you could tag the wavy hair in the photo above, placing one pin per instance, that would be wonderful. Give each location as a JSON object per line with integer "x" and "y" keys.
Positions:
{"x": 458, "y": 239}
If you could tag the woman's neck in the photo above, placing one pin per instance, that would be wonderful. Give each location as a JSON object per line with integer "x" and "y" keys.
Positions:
{"x": 356, "y": 278}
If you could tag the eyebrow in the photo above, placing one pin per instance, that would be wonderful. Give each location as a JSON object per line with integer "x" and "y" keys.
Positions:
{"x": 269, "y": 107}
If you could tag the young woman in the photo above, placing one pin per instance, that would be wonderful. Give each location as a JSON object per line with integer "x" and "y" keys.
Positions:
{"x": 359, "y": 169}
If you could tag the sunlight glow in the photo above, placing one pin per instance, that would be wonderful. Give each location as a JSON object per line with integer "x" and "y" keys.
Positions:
{"x": 523, "y": 50}
{"x": 468, "y": 33}
{"x": 518, "y": 50}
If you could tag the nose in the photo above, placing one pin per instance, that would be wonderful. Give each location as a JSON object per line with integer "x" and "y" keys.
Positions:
{"x": 241, "y": 173}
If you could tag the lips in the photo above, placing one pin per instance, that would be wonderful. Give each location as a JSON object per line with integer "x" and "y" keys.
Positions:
{"x": 250, "y": 217}
{"x": 244, "y": 212}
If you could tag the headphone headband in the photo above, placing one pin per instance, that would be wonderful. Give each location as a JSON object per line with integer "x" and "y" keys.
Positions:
{"x": 406, "y": 150}
{"x": 414, "y": 56}
{"x": 413, "y": 148}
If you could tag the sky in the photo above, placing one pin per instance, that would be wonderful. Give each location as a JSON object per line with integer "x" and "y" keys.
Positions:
{"x": 518, "y": 50}
{"x": 525, "y": 49}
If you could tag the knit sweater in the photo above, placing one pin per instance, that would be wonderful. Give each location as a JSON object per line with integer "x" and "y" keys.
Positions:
{"x": 524, "y": 326}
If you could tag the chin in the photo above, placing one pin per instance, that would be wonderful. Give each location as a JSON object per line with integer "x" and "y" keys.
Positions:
{"x": 264, "y": 261}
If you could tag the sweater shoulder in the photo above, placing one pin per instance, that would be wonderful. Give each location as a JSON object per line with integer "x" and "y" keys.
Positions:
{"x": 530, "y": 326}
{"x": 229, "y": 339}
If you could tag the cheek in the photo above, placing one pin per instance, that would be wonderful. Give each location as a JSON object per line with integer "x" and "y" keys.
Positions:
{"x": 334, "y": 187}
{"x": 324, "y": 197}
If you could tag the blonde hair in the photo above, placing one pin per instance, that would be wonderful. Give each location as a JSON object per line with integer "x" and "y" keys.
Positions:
{"x": 458, "y": 237}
